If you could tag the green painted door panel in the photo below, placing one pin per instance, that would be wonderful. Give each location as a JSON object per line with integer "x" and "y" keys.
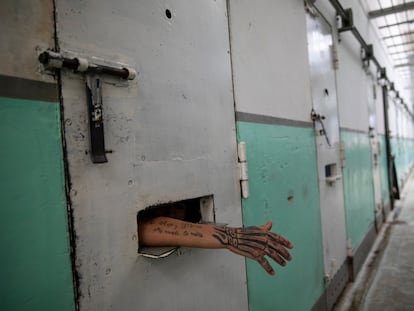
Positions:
{"x": 284, "y": 188}
{"x": 35, "y": 268}
{"x": 403, "y": 150}
{"x": 358, "y": 186}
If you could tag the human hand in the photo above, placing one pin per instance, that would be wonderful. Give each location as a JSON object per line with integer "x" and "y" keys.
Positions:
{"x": 255, "y": 243}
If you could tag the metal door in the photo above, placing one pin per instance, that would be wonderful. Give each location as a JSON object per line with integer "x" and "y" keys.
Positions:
{"x": 373, "y": 94}
{"x": 170, "y": 136}
{"x": 325, "y": 116}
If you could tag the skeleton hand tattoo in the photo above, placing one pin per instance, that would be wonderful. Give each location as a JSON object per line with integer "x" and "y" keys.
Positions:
{"x": 255, "y": 243}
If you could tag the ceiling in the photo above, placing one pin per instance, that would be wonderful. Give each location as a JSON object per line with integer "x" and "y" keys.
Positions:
{"x": 394, "y": 20}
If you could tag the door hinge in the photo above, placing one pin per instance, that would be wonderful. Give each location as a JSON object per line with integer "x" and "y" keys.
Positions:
{"x": 342, "y": 154}
{"x": 243, "y": 171}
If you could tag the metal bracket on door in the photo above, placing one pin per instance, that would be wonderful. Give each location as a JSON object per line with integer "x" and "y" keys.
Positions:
{"x": 53, "y": 60}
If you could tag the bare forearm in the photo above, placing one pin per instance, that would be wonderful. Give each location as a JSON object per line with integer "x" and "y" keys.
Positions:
{"x": 252, "y": 242}
{"x": 165, "y": 231}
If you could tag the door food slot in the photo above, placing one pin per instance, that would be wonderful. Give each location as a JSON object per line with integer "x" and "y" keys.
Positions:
{"x": 331, "y": 174}
{"x": 198, "y": 210}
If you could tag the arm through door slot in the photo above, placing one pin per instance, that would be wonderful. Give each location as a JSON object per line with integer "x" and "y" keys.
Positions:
{"x": 197, "y": 210}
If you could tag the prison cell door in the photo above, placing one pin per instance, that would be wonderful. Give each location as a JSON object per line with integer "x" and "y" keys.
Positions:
{"x": 373, "y": 94}
{"x": 169, "y": 136}
{"x": 325, "y": 117}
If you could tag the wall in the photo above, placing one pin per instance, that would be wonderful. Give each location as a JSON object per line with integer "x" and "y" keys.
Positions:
{"x": 357, "y": 173}
{"x": 278, "y": 192}
{"x": 354, "y": 93}
{"x": 35, "y": 259}
{"x": 402, "y": 139}
{"x": 358, "y": 187}
{"x": 273, "y": 104}
{"x": 206, "y": 75}
{"x": 269, "y": 67}
{"x": 172, "y": 135}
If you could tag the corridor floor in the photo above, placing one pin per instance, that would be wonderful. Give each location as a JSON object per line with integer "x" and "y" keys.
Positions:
{"x": 390, "y": 287}
{"x": 393, "y": 285}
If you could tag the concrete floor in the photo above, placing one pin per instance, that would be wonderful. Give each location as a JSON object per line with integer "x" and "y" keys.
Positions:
{"x": 386, "y": 282}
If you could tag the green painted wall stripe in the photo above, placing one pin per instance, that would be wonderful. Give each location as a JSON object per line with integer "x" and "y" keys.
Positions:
{"x": 263, "y": 119}
{"x": 345, "y": 129}
{"x": 403, "y": 150}
{"x": 358, "y": 186}
{"x": 284, "y": 188}
{"x": 35, "y": 266}
{"x": 14, "y": 87}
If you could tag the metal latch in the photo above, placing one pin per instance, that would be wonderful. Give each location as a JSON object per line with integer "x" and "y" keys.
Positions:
{"x": 319, "y": 118}
{"x": 92, "y": 71}
{"x": 54, "y": 60}
{"x": 243, "y": 171}
{"x": 96, "y": 126}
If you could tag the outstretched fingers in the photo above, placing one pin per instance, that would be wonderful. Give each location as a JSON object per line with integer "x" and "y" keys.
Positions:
{"x": 279, "y": 249}
{"x": 256, "y": 243}
{"x": 275, "y": 256}
{"x": 280, "y": 240}
{"x": 277, "y": 237}
{"x": 266, "y": 265}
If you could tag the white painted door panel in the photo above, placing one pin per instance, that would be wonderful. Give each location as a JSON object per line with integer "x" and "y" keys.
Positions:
{"x": 373, "y": 93}
{"x": 172, "y": 136}
{"x": 328, "y": 143}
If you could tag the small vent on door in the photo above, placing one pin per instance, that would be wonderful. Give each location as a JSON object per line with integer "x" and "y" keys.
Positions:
{"x": 330, "y": 170}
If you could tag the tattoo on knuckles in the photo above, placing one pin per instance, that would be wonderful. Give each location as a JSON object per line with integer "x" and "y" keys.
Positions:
{"x": 254, "y": 243}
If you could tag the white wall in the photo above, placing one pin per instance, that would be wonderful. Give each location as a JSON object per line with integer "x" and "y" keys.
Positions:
{"x": 352, "y": 83}
{"x": 269, "y": 55}
{"x": 20, "y": 46}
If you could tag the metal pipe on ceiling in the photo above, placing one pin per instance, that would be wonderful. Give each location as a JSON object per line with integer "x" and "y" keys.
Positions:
{"x": 391, "y": 10}
{"x": 402, "y": 52}
{"x": 398, "y": 35}
{"x": 397, "y": 24}
{"x": 404, "y": 65}
{"x": 399, "y": 44}
{"x": 400, "y": 59}
{"x": 339, "y": 8}
{"x": 347, "y": 18}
